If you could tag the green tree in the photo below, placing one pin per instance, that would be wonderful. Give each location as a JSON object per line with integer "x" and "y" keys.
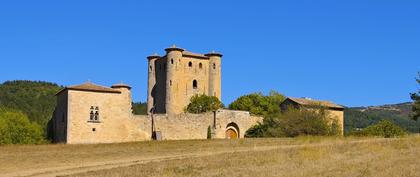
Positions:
{"x": 259, "y": 104}
{"x": 15, "y": 128}
{"x": 203, "y": 103}
{"x": 140, "y": 108}
{"x": 416, "y": 98}
{"x": 296, "y": 122}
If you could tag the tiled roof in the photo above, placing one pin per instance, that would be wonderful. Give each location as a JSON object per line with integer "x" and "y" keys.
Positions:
{"x": 88, "y": 86}
{"x": 309, "y": 102}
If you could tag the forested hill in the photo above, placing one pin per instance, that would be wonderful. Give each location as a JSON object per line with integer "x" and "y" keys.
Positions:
{"x": 361, "y": 117}
{"x": 34, "y": 98}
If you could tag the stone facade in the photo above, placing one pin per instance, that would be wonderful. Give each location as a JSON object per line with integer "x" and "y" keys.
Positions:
{"x": 175, "y": 77}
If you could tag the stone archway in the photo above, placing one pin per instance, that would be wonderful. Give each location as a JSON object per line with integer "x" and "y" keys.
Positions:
{"x": 232, "y": 131}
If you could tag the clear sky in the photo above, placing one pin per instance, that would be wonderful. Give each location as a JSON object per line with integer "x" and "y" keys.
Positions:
{"x": 355, "y": 53}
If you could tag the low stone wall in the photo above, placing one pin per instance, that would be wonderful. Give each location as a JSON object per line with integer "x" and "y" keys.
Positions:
{"x": 194, "y": 126}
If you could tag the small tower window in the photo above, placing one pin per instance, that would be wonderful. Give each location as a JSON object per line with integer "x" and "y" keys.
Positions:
{"x": 195, "y": 84}
{"x": 150, "y": 67}
{"x": 214, "y": 65}
{"x": 200, "y": 65}
{"x": 170, "y": 82}
{"x": 172, "y": 61}
{"x": 190, "y": 64}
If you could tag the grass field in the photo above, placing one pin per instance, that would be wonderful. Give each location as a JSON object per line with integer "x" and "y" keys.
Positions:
{"x": 305, "y": 156}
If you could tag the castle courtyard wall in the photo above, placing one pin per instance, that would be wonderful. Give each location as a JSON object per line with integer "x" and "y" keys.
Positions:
{"x": 195, "y": 126}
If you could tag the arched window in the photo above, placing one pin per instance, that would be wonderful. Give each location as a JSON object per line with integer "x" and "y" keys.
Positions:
{"x": 190, "y": 64}
{"x": 172, "y": 61}
{"x": 214, "y": 65}
{"x": 195, "y": 84}
{"x": 200, "y": 65}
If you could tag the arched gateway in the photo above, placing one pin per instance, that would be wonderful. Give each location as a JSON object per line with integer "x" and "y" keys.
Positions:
{"x": 232, "y": 131}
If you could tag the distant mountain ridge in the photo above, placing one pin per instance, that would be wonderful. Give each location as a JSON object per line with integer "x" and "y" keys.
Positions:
{"x": 402, "y": 109}
{"x": 361, "y": 117}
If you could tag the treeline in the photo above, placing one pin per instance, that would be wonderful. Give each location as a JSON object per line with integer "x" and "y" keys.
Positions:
{"x": 25, "y": 109}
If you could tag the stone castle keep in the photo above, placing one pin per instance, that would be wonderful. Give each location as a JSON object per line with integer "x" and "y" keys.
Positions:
{"x": 90, "y": 113}
{"x": 177, "y": 76}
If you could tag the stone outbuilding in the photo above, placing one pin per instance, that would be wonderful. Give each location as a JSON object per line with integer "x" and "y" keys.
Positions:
{"x": 335, "y": 111}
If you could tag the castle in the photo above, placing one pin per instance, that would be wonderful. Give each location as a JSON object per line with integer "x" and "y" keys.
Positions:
{"x": 90, "y": 113}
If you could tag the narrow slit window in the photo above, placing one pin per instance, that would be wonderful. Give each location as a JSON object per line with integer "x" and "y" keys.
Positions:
{"x": 195, "y": 84}
{"x": 214, "y": 65}
{"x": 172, "y": 61}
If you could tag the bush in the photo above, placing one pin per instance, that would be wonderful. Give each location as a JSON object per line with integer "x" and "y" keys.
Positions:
{"x": 15, "y": 128}
{"x": 296, "y": 122}
{"x": 384, "y": 128}
{"x": 203, "y": 103}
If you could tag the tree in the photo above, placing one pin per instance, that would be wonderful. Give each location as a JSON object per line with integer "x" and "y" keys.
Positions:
{"x": 15, "y": 128}
{"x": 139, "y": 108}
{"x": 296, "y": 122}
{"x": 203, "y": 103}
{"x": 259, "y": 104}
{"x": 416, "y": 98}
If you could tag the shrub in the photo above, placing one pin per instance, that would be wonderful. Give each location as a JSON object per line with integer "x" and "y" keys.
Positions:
{"x": 209, "y": 132}
{"x": 15, "y": 128}
{"x": 384, "y": 128}
{"x": 296, "y": 122}
{"x": 203, "y": 103}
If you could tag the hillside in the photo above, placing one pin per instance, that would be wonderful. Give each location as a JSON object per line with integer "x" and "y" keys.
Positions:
{"x": 34, "y": 98}
{"x": 360, "y": 117}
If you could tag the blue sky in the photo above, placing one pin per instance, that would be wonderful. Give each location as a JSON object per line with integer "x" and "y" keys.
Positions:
{"x": 355, "y": 53}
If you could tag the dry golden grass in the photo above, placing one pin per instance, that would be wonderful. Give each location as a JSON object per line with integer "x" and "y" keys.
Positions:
{"x": 307, "y": 156}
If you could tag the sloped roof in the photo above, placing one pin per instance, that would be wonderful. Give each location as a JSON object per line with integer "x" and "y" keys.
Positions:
{"x": 310, "y": 102}
{"x": 188, "y": 53}
{"x": 88, "y": 86}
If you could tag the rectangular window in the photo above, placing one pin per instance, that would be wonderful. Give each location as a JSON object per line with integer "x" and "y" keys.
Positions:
{"x": 94, "y": 114}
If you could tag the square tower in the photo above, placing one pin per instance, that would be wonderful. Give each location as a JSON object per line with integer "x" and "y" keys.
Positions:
{"x": 177, "y": 76}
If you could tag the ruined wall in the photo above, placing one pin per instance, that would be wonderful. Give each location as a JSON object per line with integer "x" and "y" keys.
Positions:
{"x": 116, "y": 122}
{"x": 194, "y": 126}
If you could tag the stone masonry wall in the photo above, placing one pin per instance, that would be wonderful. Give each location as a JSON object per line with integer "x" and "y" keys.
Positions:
{"x": 194, "y": 126}
{"x": 116, "y": 122}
